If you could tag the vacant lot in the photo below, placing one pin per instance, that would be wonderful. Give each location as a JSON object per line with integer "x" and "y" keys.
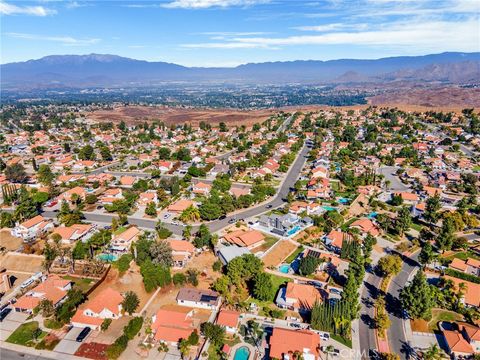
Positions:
{"x": 9, "y": 242}
{"x": 278, "y": 253}
{"x": 22, "y": 263}
{"x": 135, "y": 114}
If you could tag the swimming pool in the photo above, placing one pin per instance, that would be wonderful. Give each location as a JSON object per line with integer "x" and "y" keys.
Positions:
{"x": 372, "y": 215}
{"x": 108, "y": 257}
{"x": 293, "y": 230}
{"x": 242, "y": 353}
{"x": 343, "y": 200}
{"x": 284, "y": 268}
{"x": 329, "y": 208}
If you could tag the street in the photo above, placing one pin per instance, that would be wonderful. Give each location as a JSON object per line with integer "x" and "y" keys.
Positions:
{"x": 390, "y": 174}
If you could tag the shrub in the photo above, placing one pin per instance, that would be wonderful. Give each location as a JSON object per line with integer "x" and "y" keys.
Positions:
{"x": 123, "y": 263}
{"x": 133, "y": 327}
{"x": 118, "y": 347}
{"x": 179, "y": 279}
{"x": 105, "y": 324}
{"x": 463, "y": 276}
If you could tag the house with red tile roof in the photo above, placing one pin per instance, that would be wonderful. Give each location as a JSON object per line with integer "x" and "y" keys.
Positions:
{"x": 147, "y": 197}
{"x": 32, "y": 228}
{"x": 298, "y": 297}
{"x": 408, "y": 197}
{"x": 285, "y": 342}
{"x": 245, "y": 238}
{"x": 237, "y": 192}
{"x": 229, "y": 320}
{"x": 172, "y": 323}
{"x": 107, "y": 304}
{"x": 182, "y": 252}
{"x": 123, "y": 241}
{"x": 53, "y": 288}
{"x": 201, "y": 188}
{"x": 111, "y": 195}
{"x": 457, "y": 345}
{"x": 180, "y": 205}
{"x": 69, "y": 194}
{"x": 470, "y": 297}
{"x": 165, "y": 166}
{"x": 335, "y": 238}
{"x": 71, "y": 234}
{"x": 127, "y": 181}
{"x": 470, "y": 266}
{"x": 366, "y": 226}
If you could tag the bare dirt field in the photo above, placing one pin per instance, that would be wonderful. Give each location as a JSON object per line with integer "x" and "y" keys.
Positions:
{"x": 130, "y": 281}
{"x": 8, "y": 241}
{"x": 135, "y": 114}
{"x": 21, "y": 263}
{"x": 281, "y": 250}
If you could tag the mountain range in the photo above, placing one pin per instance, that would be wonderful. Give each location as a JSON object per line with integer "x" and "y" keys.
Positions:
{"x": 97, "y": 70}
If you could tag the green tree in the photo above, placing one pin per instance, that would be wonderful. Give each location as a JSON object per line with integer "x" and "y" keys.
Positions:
{"x": 308, "y": 265}
{"x": 403, "y": 221}
{"x": 130, "y": 302}
{"x": 263, "y": 286}
{"x": 390, "y": 265}
{"x": 427, "y": 255}
{"x": 86, "y": 153}
{"x": 210, "y": 211}
{"x": 446, "y": 237}
{"x": 416, "y": 297}
{"x": 16, "y": 173}
{"x": 161, "y": 253}
{"x": 45, "y": 175}
{"x": 151, "y": 209}
{"x": 434, "y": 353}
{"x": 214, "y": 333}
{"x": 203, "y": 237}
{"x": 432, "y": 207}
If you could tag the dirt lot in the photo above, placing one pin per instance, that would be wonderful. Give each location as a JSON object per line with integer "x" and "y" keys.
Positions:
{"x": 9, "y": 242}
{"x": 134, "y": 114}
{"x": 22, "y": 263}
{"x": 92, "y": 350}
{"x": 203, "y": 264}
{"x": 130, "y": 281}
{"x": 281, "y": 250}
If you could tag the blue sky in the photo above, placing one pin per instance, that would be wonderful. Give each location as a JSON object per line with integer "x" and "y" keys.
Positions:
{"x": 232, "y": 32}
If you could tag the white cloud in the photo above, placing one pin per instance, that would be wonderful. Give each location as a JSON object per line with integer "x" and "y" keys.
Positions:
{"x": 416, "y": 35}
{"x": 65, "y": 40}
{"x": 10, "y": 9}
{"x": 204, "y": 4}
{"x": 332, "y": 27}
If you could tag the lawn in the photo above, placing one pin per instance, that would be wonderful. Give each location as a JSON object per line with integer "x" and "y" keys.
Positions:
{"x": 26, "y": 334}
{"x": 442, "y": 315}
{"x": 464, "y": 255}
{"x": 341, "y": 340}
{"x": 294, "y": 255}
{"x": 120, "y": 230}
{"x": 415, "y": 226}
{"x": 269, "y": 242}
{"x": 84, "y": 284}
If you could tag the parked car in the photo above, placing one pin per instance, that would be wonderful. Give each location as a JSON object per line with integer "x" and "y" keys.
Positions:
{"x": 83, "y": 334}
{"x": 295, "y": 325}
{"x": 269, "y": 206}
{"x": 232, "y": 220}
{"x": 4, "y": 313}
{"x": 324, "y": 336}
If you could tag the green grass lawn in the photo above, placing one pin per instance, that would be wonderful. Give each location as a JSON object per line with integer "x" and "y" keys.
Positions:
{"x": 120, "y": 230}
{"x": 476, "y": 168}
{"x": 464, "y": 255}
{"x": 269, "y": 242}
{"x": 341, "y": 340}
{"x": 442, "y": 315}
{"x": 84, "y": 284}
{"x": 415, "y": 226}
{"x": 293, "y": 255}
{"x": 26, "y": 334}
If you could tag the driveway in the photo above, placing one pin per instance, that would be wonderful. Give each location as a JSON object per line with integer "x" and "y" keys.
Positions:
{"x": 10, "y": 323}
{"x": 68, "y": 344}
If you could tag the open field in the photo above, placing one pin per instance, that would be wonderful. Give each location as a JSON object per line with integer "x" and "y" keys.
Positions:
{"x": 9, "y": 242}
{"x": 281, "y": 250}
{"x": 135, "y": 114}
{"x": 21, "y": 263}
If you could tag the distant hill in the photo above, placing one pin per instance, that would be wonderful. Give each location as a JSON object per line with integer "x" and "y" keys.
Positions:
{"x": 96, "y": 70}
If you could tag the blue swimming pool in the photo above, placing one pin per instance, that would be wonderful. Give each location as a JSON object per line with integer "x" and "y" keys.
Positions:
{"x": 293, "y": 230}
{"x": 329, "y": 208}
{"x": 108, "y": 257}
{"x": 343, "y": 200}
{"x": 242, "y": 353}
{"x": 372, "y": 215}
{"x": 284, "y": 268}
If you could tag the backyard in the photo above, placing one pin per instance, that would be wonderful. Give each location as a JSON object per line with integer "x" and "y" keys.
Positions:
{"x": 278, "y": 253}
{"x": 437, "y": 316}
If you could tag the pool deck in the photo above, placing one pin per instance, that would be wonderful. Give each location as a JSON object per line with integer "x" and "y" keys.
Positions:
{"x": 242, "y": 344}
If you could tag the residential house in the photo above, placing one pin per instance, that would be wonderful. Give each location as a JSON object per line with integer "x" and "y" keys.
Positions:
{"x": 470, "y": 298}
{"x": 106, "y": 305}
{"x": 71, "y": 234}
{"x": 284, "y": 225}
{"x": 196, "y": 298}
{"x": 298, "y": 297}
{"x": 53, "y": 288}
{"x": 407, "y": 197}
{"x": 366, "y": 226}
{"x": 127, "y": 181}
{"x": 32, "y": 228}
{"x": 237, "y": 191}
{"x": 70, "y": 194}
{"x": 334, "y": 240}
{"x": 471, "y": 333}
{"x": 123, "y": 241}
{"x": 470, "y": 266}
{"x": 182, "y": 252}
{"x": 228, "y": 253}
{"x": 456, "y": 344}
{"x": 179, "y": 206}
{"x": 201, "y": 188}
{"x": 229, "y": 320}
{"x": 147, "y": 197}
{"x": 284, "y": 343}
{"x": 172, "y": 323}
{"x": 111, "y": 195}
{"x": 246, "y": 238}
{"x": 165, "y": 166}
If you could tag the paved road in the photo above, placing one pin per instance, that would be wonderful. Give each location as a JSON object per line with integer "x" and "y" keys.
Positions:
{"x": 399, "y": 344}
{"x": 6, "y": 354}
{"x": 395, "y": 183}
{"x": 276, "y": 201}
{"x": 371, "y": 284}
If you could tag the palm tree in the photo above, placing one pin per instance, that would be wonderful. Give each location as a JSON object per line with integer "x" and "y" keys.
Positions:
{"x": 329, "y": 350}
{"x": 434, "y": 353}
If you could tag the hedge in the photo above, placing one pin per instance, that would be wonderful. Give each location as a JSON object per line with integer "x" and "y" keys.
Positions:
{"x": 463, "y": 276}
